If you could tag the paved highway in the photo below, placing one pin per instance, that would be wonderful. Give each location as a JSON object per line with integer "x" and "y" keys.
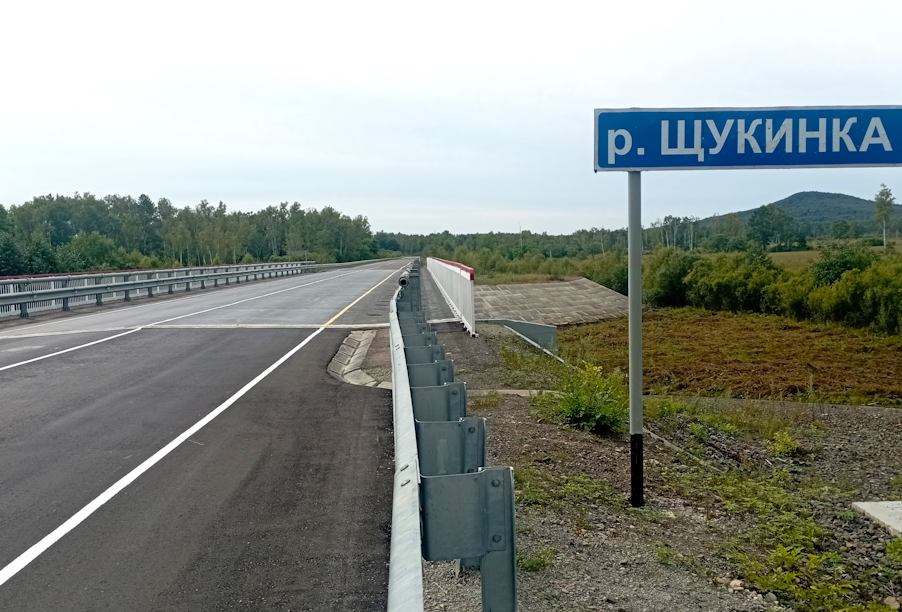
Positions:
{"x": 192, "y": 453}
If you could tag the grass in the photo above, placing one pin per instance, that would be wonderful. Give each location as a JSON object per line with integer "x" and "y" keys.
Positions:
{"x": 488, "y": 400}
{"x": 795, "y": 260}
{"x": 690, "y": 351}
{"x": 736, "y": 419}
{"x": 894, "y": 552}
{"x": 526, "y": 367}
{"x": 539, "y": 560}
{"x": 535, "y": 486}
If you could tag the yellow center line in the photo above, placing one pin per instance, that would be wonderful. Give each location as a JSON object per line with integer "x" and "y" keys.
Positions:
{"x": 345, "y": 309}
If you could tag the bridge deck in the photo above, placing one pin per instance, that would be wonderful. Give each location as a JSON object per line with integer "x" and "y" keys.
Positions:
{"x": 282, "y": 501}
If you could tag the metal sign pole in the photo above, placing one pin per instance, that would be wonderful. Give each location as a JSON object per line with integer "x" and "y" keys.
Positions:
{"x": 637, "y": 478}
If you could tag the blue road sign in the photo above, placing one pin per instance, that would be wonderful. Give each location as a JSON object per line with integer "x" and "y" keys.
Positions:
{"x": 712, "y": 138}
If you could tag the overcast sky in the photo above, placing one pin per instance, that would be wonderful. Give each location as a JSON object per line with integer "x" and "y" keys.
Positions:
{"x": 465, "y": 116}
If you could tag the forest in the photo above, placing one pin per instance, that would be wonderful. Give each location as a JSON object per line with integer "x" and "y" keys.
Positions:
{"x": 51, "y": 234}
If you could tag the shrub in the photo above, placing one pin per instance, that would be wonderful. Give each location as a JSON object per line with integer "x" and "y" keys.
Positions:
{"x": 664, "y": 277}
{"x": 610, "y": 270}
{"x": 594, "y": 402}
{"x": 789, "y": 296}
{"x": 837, "y": 258}
{"x": 783, "y": 444}
{"x": 734, "y": 282}
{"x": 863, "y": 298}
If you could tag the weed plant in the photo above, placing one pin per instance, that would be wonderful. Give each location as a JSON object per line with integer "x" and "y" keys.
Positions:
{"x": 537, "y": 561}
{"x": 589, "y": 400}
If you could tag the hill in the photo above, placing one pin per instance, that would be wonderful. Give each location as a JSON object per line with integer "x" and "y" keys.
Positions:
{"x": 816, "y": 208}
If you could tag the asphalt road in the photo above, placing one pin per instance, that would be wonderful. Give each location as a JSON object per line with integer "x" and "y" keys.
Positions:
{"x": 281, "y": 501}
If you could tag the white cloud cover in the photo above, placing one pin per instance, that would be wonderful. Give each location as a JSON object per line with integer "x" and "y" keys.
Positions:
{"x": 422, "y": 116}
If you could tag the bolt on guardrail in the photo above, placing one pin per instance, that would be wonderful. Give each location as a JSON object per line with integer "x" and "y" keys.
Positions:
{"x": 464, "y": 509}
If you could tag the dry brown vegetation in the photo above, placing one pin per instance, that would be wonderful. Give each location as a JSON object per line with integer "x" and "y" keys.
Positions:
{"x": 696, "y": 352}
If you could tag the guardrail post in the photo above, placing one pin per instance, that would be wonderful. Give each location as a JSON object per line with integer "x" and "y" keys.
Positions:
{"x": 472, "y": 515}
{"x": 23, "y": 307}
{"x": 127, "y": 297}
{"x": 99, "y": 296}
{"x": 66, "y": 300}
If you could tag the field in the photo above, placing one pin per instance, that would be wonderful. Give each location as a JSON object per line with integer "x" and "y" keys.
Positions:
{"x": 689, "y": 351}
{"x": 795, "y": 260}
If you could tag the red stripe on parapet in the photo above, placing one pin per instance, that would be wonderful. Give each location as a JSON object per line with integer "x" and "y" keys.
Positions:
{"x": 467, "y": 269}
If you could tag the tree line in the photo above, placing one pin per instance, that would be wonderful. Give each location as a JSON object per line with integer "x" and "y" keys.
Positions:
{"x": 770, "y": 227}
{"x": 51, "y": 234}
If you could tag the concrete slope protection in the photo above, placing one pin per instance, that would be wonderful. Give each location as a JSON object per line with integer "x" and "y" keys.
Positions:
{"x": 211, "y": 466}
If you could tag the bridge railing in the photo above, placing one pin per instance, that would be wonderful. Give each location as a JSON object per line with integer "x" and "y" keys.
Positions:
{"x": 21, "y": 295}
{"x": 456, "y": 281}
{"x": 447, "y": 504}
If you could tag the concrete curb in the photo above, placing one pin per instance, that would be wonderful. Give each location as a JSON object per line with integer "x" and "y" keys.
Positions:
{"x": 345, "y": 365}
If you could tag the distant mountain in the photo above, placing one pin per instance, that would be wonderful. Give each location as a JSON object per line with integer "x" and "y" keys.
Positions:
{"x": 816, "y": 208}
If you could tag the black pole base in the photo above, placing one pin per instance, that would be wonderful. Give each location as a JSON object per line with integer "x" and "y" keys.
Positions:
{"x": 637, "y": 469}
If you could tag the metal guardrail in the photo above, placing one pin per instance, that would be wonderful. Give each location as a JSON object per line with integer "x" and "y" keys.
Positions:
{"x": 21, "y": 295}
{"x": 456, "y": 281}
{"x": 447, "y": 504}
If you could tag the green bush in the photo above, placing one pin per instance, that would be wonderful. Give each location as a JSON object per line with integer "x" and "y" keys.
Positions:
{"x": 789, "y": 296}
{"x": 736, "y": 282}
{"x": 610, "y": 270}
{"x": 784, "y": 444}
{"x": 664, "y": 276}
{"x": 837, "y": 258}
{"x": 863, "y": 298}
{"x": 593, "y": 401}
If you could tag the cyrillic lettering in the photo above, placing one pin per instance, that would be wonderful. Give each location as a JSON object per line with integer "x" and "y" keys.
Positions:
{"x": 749, "y": 136}
{"x": 820, "y": 134}
{"x": 881, "y": 138}
{"x": 719, "y": 138}
{"x": 613, "y": 151}
{"x": 843, "y": 134}
{"x": 772, "y": 141}
{"x": 681, "y": 140}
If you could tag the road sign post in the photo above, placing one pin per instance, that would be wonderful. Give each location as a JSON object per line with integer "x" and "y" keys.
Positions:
{"x": 634, "y": 283}
{"x": 633, "y": 140}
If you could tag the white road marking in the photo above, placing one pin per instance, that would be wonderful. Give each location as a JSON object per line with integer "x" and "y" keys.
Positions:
{"x": 53, "y": 537}
{"x": 16, "y": 349}
{"x": 131, "y": 331}
{"x": 68, "y": 350}
{"x": 98, "y": 330}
